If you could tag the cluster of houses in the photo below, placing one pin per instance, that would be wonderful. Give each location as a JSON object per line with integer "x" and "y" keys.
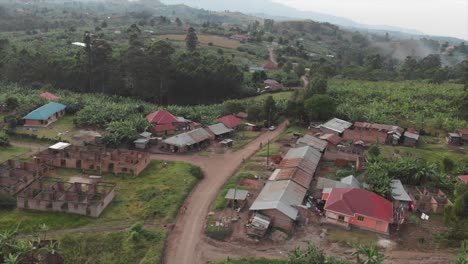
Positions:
{"x": 36, "y": 191}
{"x": 288, "y": 196}
{"x": 192, "y": 137}
{"x": 362, "y": 132}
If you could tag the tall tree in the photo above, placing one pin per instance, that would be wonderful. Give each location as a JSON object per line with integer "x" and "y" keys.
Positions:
{"x": 191, "y": 40}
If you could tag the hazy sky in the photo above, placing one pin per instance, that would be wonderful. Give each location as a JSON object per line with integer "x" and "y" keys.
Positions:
{"x": 436, "y": 17}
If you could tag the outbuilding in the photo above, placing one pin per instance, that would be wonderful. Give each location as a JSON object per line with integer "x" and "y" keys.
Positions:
{"x": 335, "y": 126}
{"x": 220, "y": 131}
{"x": 45, "y": 115}
{"x": 410, "y": 139}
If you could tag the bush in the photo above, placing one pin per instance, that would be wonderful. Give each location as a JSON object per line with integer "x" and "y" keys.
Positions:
{"x": 4, "y": 140}
{"x": 197, "y": 172}
{"x": 217, "y": 232}
{"x": 7, "y": 201}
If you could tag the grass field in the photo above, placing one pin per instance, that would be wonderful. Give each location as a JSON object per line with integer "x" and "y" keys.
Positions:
{"x": 206, "y": 39}
{"x": 274, "y": 149}
{"x": 124, "y": 247}
{"x": 243, "y": 138}
{"x": 351, "y": 237}
{"x": 431, "y": 149}
{"x": 11, "y": 152}
{"x": 154, "y": 196}
{"x": 62, "y": 129}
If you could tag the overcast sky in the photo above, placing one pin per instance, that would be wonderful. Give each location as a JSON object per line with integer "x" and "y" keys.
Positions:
{"x": 435, "y": 17}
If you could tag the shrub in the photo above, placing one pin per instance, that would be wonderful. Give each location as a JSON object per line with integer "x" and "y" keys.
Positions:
{"x": 197, "y": 172}
{"x": 4, "y": 140}
{"x": 7, "y": 201}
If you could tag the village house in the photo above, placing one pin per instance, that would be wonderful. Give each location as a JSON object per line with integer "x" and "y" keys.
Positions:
{"x": 45, "y": 115}
{"x": 164, "y": 123}
{"x": 463, "y": 178}
{"x": 187, "y": 141}
{"x": 454, "y": 139}
{"x": 51, "y": 194}
{"x": 240, "y": 37}
{"x": 17, "y": 175}
{"x": 270, "y": 66}
{"x": 399, "y": 195}
{"x": 94, "y": 158}
{"x": 305, "y": 158}
{"x": 335, "y": 126}
{"x": 272, "y": 85}
{"x": 360, "y": 208}
{"x": 49, "y": 96}
{"x": 311, "y": 141}
{"x": 410, "y": 138}
{"x": 464, "y": 135}
{"x": 324, "y": 186}
{"x": 380, "y": 133}
{"x": 331, "y": 139}
{"x": 219, "y": 131}
{"x": 144, "y": 140}
{"x": 277, "y": 200}
{"x": 230, "y": 121}
{"x": 294, "y": 174}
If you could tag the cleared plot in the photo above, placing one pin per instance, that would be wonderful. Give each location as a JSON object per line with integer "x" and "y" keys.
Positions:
{"x": 11, "y": 152}
{"x": 206, "y": 39}
{"x": 154, "y": 196}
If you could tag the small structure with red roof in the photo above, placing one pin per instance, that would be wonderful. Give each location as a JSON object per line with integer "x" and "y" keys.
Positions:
{"x": 463, "y": 178}
{"x": 464, "y": 135}
{"x": 361, "y": 208}
{"x": 272, "y": 85}
{"x": 270, "y": 66}
{"x": 49, "y": 96}
{"x": 240, "y": 37}
{"x": 230, "y": 121}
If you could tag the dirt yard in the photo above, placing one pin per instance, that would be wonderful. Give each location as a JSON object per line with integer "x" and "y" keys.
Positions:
{"x": 206, "y": 39}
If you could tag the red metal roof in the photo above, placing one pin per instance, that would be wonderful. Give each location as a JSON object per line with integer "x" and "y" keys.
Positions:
{"x": 349, "y": 201}
{"x": 161, "y": 117}
{"x": 463, "y": 178}
{"x": 49, "y": 96}
{"x": 230, "y": 121}
{"x": 463, "y": 132}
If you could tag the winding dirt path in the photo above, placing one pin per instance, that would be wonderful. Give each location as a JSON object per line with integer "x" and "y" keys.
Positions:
{"x": 184, "y": 242}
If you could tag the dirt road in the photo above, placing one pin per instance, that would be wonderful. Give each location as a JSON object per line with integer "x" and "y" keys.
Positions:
{"x": 184, "y": 240}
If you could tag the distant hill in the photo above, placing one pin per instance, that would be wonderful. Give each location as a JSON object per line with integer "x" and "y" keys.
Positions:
{"x": 281, "y": 12}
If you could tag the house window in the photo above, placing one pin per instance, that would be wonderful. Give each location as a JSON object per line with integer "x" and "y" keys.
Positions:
{"x": 341, "y": 218}
{"x": 360, "y": 218}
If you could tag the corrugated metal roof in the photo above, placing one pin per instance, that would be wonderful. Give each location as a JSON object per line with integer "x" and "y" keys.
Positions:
{"x": 308, "y": 140}
{"x": 351, "y": 181}
{"x": 45, "y": 111}
{"x": 199, "y": 134}
{"x": 280, "y": 195}
{"x": 412, "y": 135}
{"x": 295, "y": 174}
{"x": 337, "y": 125}
{"x": 236, "y": 194}
{"x": 302, "y": 164}
{"x": 346, "y": 182}
{"x": 60, "y": 146}
{"x": 219, "y": 129}
{"x": 181, "y": 140}
{"x": 308, "y": 153}
{"x": 398, "y": 191}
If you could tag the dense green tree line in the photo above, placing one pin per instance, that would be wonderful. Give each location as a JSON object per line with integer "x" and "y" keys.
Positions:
{"x": 154, "y": 72}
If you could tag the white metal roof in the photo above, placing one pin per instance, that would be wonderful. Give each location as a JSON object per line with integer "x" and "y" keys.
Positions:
{"x": 351, "y": 181}
{"x": 398, "y": 191}
{"x": 306, "y": 152}
{"x": 60, "y": 145}
{"x": 280, "y": 195}
{"x": 180, "y": 140}
{"x": 412, "y": 135}
{"x": 337, "y": 125}
{"x": 236, "y": 194}
{"x": 219, "y": 129}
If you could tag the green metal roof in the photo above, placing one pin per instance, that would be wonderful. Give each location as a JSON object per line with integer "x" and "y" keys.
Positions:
{"x": 45, "y": 111}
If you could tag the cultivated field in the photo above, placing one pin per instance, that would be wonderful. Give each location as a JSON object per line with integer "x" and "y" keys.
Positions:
{"x": 206, "y": 39}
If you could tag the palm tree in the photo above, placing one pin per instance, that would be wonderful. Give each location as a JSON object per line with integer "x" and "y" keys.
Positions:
{"x": 371, "y": 254}
{"x": 11, "y": 259}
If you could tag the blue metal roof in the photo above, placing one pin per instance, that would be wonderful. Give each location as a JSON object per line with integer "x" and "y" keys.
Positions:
{"x": 45, "y": 111}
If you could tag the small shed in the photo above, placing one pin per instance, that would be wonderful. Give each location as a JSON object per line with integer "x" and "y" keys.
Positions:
{"x": 227, "y": 142}
{"x": 410, "y": 139}
{"x": 258, "y": 225}
{"x": 251, "y": 127}
{"x": 454, "y": 139}
{"x": 141, "y": 143}
{"x": 463, "y": 134}
{"x": 237, "y": 197}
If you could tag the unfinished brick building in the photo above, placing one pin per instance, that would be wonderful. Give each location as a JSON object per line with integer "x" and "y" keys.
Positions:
{"x": 51, "y": 194}
{"x": 17, "y": 175}
{"x": 94, "y": 158}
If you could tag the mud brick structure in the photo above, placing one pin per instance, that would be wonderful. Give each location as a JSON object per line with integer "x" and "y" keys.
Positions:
{"x": 94, "y": 158}
{"x": 17, "y": 175}
{"x": 52, "y": 194}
